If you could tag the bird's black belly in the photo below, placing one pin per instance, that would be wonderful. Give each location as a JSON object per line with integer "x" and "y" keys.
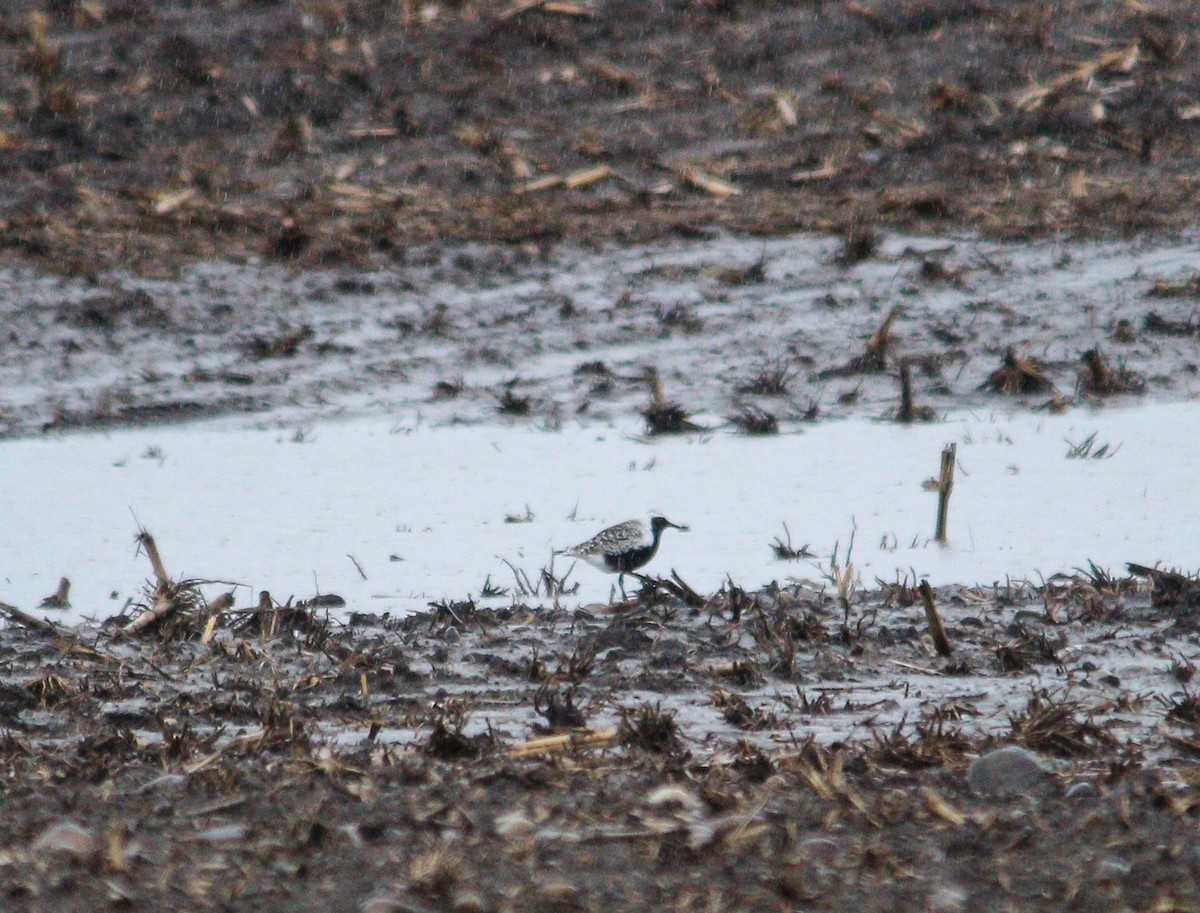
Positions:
{"x": 630, "y": 560}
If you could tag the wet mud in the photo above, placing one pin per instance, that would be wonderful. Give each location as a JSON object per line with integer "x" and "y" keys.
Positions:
{"x": 752, "y": 336}
{"x": 718, "y": 215}
{"x": 757, "y": 749}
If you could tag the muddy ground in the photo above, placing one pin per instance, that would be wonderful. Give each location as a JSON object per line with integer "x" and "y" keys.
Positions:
{"x": 311, "y": 208}
{"x": 803, "y": 747}
{"x": 139, "y": 135}
{"x": 747, "y": 335}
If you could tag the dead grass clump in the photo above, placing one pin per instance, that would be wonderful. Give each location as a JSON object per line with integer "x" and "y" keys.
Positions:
{"x": 49, "y": 690}
{"x": 1099, "y": 379}
{"x": 680, "y": 317}
{"x": 859, "y": 243}
{"x": 435, "y": 873}
{"x": 447, "y": 738}
{"x": 448, "y": 389}
{"x": 933, "y": 743}
{"x": 740, "y": 673}
{"x": 284, "y": 345}
{"x": 1087, "y": 449}
{"x": 578, "y": 665}
{"x": 1185, "y": 709}
{"x": 168, "y": 607}
{"x": 1103, "y": 581}
{"x": 1156, "y": 323}
{"x": 1171, "y": 588}
{"x": 650, "y": 728}
{"x": 1056, "y": 726}
{"x": 559, "y": 709}
{"x": 772, "y": 379}
{"x": 1026, "y": 649}
{"x": 509, "y": 402}
{"x": 461, "y": 613}
{"x": 1189, "y": 288}
{"x": 1016, "y": 375}
{"x": 744, "y": 275}
{"x": 785, "y": 551}
{"x": 737, "y": 712}
{"x": 752, "y": 420}
{"x": 752, "y": 762}
{"x": 281, "y": 729}
{"x": 663, "y": 416}
{"x": 269, "y": 620}
{"x": 874, "y": 358}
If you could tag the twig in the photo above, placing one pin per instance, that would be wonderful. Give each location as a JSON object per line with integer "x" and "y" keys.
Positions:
{"x": 146, "y": 542}
{"x": 675, "y": 586}
{"x": 164, "y": 605}
{"x": 21, "y": 617}
{"x": 940, "y": 641}
{"x": 685, "y": 592}
{"x": 945, "y": 486}
{"x": 358, "y": 567}
{"x": 587, "y": 739}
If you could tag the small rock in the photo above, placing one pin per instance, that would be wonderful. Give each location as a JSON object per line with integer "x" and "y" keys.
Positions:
{"x": 67, "y": 838}
{"x": 1007, "y": 772}
{"x": 167, "y": 783}
{"x": 674, "y": 798}
{"x": 513, "y": 824}
{"x": 1082, "y": 790}
{"x": 947, "y": 898}
{"x": 381, "y": 904}
{"x": 1113, "y": 869}
{"x": 226, "y": 833}
{"x": 469, "y": 902}
{"x": 820, "y": 848}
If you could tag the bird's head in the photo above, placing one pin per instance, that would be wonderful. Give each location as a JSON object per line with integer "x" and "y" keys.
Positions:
{"x": 658, "y": 524}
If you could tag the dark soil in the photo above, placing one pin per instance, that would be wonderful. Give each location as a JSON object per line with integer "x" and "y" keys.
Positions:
{"x": 762, "y": 750}
{"x": 140, "y": 134}
{"x": 780, "y": 750}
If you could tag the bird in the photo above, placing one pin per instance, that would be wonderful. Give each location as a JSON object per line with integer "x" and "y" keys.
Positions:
{"x": 623, "y": 548}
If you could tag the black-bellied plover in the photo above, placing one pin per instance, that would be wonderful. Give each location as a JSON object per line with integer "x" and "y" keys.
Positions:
{"x": 622, "y": 548}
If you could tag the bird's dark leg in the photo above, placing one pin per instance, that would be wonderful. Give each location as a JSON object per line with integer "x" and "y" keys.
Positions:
{"x": 621, "y": 584}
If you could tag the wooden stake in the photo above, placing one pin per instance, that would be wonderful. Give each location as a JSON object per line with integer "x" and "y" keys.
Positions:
{"x": 907, "y": 413}
{"x": 940, "y": 642}
{"x": 945, "y": 486}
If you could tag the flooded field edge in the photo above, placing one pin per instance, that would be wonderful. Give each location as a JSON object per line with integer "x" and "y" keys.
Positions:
{"x": 752, "y": 335}
{"x": 760, "y": 746}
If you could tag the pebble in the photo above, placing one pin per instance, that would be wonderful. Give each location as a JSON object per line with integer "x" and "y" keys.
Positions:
{"x": 1113, "y": 869}
{"x": 947, "y": 898}
{"x": 67, "y": 838}
{"x": 674, "y": 798}
{"x": 225, "y": 833}
{"x": 1007, "y": 772}
{"x": 167, "y": 783}
{"x": 1082, "y": 790}
{"x": 513, "y": 824}
{"x": 381, "y": 904}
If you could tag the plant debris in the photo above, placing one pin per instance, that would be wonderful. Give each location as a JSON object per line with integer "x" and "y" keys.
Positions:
{"x": 1018, "y": 375}
{"x": 663, "y": 416}
{"x": 729, "y": 732}
{"x": 1099, "y": 379}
